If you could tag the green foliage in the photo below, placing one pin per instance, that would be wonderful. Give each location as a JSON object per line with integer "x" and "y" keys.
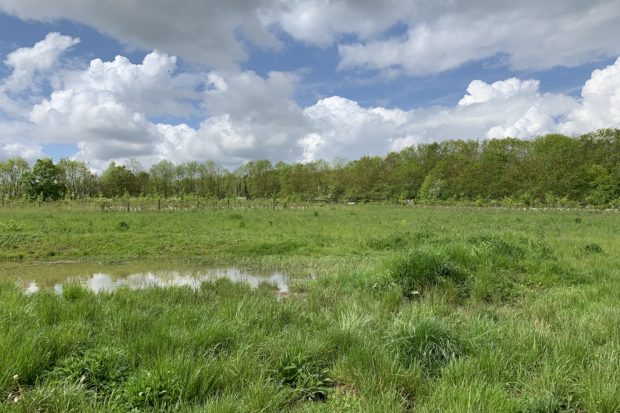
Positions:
{"x": 552, "y": 170}
{"x": 99, "y": 369}
{"x": 419, "y": 269}
{"x": 427, "y": 341}
{"x": 309, "y": 379}
{"x": 394, "y": 241}
{"x": 74, "y": 292}
{"x": 274, "y": 248}
{"x": 592, "y": 248}
{"x": 45, "y": 181}
{"x": 117, "y": 181}
{"x": 529, "y": 322}
{"x": 498, "y": 246}
{"x": 11, "y": 226}
{"x": 153, "y": 391}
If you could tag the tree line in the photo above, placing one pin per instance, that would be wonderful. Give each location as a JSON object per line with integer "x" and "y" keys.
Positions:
{"x": 583, "y": 170}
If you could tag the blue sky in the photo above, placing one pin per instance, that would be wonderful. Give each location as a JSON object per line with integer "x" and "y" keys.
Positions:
{"x": 297, "y": 80}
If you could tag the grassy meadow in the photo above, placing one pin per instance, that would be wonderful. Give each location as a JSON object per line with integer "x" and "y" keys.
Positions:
{"x": 408, "y": 310}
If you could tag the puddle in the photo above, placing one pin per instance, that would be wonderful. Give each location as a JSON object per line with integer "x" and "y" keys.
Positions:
{"x": 108, "y": 279}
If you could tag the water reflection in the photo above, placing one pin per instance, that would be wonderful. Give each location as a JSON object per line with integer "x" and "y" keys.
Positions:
{"x": 32, "y": 288}
{"x": 103, "y": 282}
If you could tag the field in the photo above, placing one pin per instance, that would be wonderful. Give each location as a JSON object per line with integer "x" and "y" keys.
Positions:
{"x": 391, "y": 309}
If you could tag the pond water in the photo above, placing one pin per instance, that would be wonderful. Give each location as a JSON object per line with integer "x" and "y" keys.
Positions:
{"x": 110, "y": 278}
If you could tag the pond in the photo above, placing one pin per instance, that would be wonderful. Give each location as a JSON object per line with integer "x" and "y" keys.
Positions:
{"x": 107, "y": 278}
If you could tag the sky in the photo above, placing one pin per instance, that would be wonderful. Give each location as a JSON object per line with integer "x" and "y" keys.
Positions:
{"x": 297, "y": 80}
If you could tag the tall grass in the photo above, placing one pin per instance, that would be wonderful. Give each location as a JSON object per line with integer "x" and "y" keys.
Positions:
{"x": 512, "y": 314}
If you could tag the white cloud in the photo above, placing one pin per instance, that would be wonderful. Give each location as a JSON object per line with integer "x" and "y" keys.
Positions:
{"x": 101, "y": 123}
{"x": 322, "y": 22}
{"x": 111, "y": 111}
{"x": 19, "y": 150}
{"x": 418, "y": 37}
{"x": 200, "y": 30}
{"x": 481, "y": 92}
{"x": 105, "y": 109}
{"x": 249, "y": 117}
{"x": 30, "y": 66}
{"x": 151, "y": 87}
{"x": 530, "y": 34}
{"x": 26, "y": 62}
{"x": 312, "y": 144}
{"x": 343, "y": 128}
{"x": 600, "y": 107}
{"x": 108, "y": 110}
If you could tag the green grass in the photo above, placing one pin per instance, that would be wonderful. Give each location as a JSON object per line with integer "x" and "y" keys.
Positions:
{"x": 423, "y": 310}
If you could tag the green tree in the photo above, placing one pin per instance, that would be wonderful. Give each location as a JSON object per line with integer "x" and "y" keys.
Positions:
{"x": 117, "y": 181}
{"x": 163, "y": 176}
{"x": 79, "y": 181}
{"x": 45, "y": 181}
{"x": 12, "y": 173}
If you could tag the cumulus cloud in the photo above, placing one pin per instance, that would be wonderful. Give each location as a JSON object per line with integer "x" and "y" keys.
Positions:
{"x": 102, "y": 125}
{"x": 511, "y": 107}
{"x": 600, "y": 107}
{"x": 30, "y": 67}
{"x": 249, "y": 117}
{"x": 342, "y": 127}
{"x": 481, "y": 92}
{"x": 151, "y": 87}
{"x": 20, "y": 150}
{"x": 109, "y": 111}
{"x": 112, "y": 111}
{"x": 26, "y": 62}
{"x": 106, "y": 108}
